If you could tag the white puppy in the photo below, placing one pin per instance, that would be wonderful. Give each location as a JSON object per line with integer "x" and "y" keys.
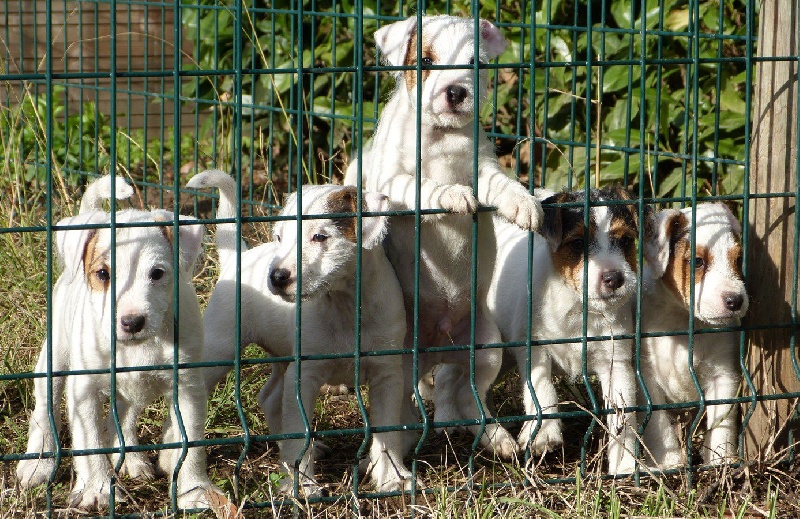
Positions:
{"x": 143, "y": 322}
{"x": 325, "y": 282}
{"x": 556, "y": 305}
{"x": 448, "y": 150}
{"x": 720, "y": 299}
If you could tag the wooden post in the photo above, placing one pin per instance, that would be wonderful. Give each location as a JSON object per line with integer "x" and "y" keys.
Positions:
{"x": 771, "y": 272}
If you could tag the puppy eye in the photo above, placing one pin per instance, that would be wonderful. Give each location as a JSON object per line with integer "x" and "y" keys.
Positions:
{"x": 699, "y": 263}
{"x": 156, "y": 274}
{"x": 576, "y": 246}
{"x": 319, "y": 238}
{"x": 624, "y": 242}
{"x": 739, "y": 261}
{"x": 427, "y": 61}
{"x": 277, "y": 238}
{"x": 103, "y": 275}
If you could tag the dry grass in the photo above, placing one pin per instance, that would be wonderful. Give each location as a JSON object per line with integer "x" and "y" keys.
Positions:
{"x": 453, "y": 482}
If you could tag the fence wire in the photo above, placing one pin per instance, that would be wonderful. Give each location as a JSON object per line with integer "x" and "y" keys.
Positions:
{"x": 651, "y": 95}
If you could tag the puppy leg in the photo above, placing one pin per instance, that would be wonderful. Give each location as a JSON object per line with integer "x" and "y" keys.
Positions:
{"x": 539, "y": 383}
{"x": 720, "y": 444}
{"x": 41, "y": 438}
{"x": 193, "y": 482}
{"x": 270, "y": 398}
{"x": 292, "y": 451}
{"x": 136, "y": 464}
{"x": 93, "y": 472}
{"x": 619, "y": 391}
{"x": 386, "y": 452}
{"x": 487, "y": 366}
{"x": 661, "y": 444}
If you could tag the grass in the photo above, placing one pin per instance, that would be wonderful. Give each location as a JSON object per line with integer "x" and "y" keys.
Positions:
{"x": 491, "y": 489}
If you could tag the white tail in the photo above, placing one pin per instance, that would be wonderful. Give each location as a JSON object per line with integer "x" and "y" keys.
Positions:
{"x": 228, "y": 202}
{"x": 100, "y": 190}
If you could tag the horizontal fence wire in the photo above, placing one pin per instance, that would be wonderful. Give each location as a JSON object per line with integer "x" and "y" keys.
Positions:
{"x": 656, "y": 97}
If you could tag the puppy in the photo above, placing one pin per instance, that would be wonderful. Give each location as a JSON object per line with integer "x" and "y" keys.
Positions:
{"x": 720, "y": 299}
{"x": 448, "y": 150}
{"x": 569, "y": 260}
{"x": 325, "y": 283}
{"x": 86, "y": 317}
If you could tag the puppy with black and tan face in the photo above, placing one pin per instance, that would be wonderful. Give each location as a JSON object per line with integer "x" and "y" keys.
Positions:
{"x": 573, "y": 265}
{"x": 710, "y": 282}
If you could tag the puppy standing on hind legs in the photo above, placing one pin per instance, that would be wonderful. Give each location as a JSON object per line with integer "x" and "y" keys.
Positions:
{"x": 557, "y": 304}
{"x": 447, "y": 142}
{"x": 81, "y": 339}
{"x": 720, "y": 299}
{"x": 269, "y": 291}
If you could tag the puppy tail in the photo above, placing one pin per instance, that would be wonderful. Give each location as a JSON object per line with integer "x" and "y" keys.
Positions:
{"x": 100, "y": 190}
{"x": 228, "y": 202}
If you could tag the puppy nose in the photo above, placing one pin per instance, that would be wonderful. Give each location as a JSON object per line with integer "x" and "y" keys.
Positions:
{"x": 612, "y": 279}
{"x": 456, "y": 94}
{"x": 733, "y": 302}
{"x": 280, "y": 277}
{"x": 132, "y": 323}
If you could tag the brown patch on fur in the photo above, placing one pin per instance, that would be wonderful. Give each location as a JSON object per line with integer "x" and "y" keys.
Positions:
{"x": 678, "y": 275}
{"x": 568, "y": 257}
{"x": 621, "y": 231}
{"x": 344, "y": 201}
{"x": 735, "y": 259}
{"x": 93, "y": 262}
{"x": 166, "y": 230}
{"x": 411, "y": 59}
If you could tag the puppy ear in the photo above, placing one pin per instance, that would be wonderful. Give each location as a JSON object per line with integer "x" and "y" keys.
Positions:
{"x": 190, "y": 237}
{"x": 663, "y": 227}
{"x": 71, "y": 244}
{"x": 374, "y": 228}
{"x": 392, "y": 40}
{"x": 493, "y": 42}
{"x": 552, "y": 228}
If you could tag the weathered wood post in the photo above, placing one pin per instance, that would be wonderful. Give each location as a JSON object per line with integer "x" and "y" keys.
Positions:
{"x": 772, "y": 272}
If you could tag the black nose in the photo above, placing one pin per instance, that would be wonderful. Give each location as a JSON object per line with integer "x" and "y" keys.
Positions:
{"x": 613, "y": 279}
{"x": 733, "y": 302}
{"x": 132, "y": 323}
{"x": 456, "y": 94}
{"x": 280, "y": 278}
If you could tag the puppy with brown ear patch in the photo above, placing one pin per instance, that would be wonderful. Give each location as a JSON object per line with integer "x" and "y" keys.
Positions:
{"x": 570, "y": 260}
{"x": 443, "y": 148}
{"x": 139, "y": 317}
{"x": 719, "y": 300}
{"x": 324, "y": 280}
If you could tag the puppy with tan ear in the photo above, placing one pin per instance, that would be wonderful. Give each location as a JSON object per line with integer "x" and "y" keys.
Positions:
{"x": 457, "y": 170}
{"x": 138, "y": 317}
{"x": 709, "y": 282}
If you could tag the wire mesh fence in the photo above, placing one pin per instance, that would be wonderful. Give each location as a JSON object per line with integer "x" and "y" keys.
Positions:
{"x": 656, "y": 97}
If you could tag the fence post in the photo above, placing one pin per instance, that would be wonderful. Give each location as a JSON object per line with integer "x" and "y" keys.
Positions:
{"x": 771, "y": 272}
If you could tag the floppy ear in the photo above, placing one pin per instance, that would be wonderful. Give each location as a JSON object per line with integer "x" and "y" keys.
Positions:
{"x": 374, "y": 228}
{"x": 492, "y": 41}
{"x": 71, "y": 244}
{"x": 551, "y": 227}
{"x": 392, "y": 40}
{"x": 190, "y": 237}
{"x": 664, "y": 226}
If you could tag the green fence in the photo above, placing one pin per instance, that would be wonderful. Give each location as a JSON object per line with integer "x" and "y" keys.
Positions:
{"x": 653, "y": 96}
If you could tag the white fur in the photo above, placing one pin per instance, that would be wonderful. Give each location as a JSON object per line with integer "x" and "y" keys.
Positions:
{"x": 328, "y": 323}
{"x": 81, "y": 338}
{"x": 665, "y": 360}
{"x": 447, "y": 145}
{"x": 556, "y": 307}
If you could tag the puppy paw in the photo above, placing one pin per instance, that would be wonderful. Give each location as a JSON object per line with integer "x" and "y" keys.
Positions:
{"x": 136, "y": 465}
{"x": 32, "y": 473}
{"x": 389, "y": 475}
{"x": 626, "y": 464}
{"x": 201, "y": 496}
{"x": 458, "y": 199}
{"x": 308, "y": 488}
{"x": 91, "y": 497}
{"x": 500, "y": 442}
{"x": 524, "y": 210}
{"x": 547, "y": 438}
